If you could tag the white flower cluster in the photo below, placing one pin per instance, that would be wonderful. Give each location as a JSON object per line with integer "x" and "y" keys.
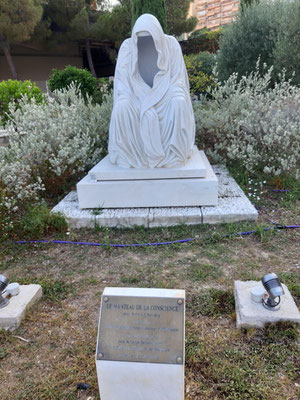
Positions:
{"x": 249, "y": 121}
{"x": 62, "y": 137}
{"x": 255, "y": 189}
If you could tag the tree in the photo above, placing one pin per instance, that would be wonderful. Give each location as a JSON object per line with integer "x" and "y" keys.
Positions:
{"x": 115, "y": 25}
{"x": 59, "y": 14}
{"x": 18, "y": 19}
{"x": 154, "y": 7}
{"x": 82, "y": 28}
{"x": 250, "y": 36}
{"x": 74, "y": 20}
{"x": 177, "y": 21}
{"x": 268, "y": 30}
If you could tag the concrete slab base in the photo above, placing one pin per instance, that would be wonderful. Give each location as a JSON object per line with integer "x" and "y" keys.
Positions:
{"x": 251, "y": 314}
{"x": 12, "y": 315}
{"x": 233, "y": 206}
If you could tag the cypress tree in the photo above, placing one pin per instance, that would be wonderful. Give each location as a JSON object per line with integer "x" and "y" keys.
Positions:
{"x": 154, "y": 7}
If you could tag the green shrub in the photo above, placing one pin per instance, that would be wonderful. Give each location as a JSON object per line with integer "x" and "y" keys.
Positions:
{"x": 199, "y": 68}
{"x": 12, "y": 91}
{"x": 287, "y": 47}
{"x": 252, "y": 123}
{"x": 202, "y": 40}
{"x": 208, "y": 61}
{"x": 37, "y": 220}
{"x": 50, "y": 147}
{"x": 199, "y": 33}
{"x": 104, "y": 86}
{"x": 268, "y": 30}
{"x": 62, "y": 79}
{"x": 246, "y": 39}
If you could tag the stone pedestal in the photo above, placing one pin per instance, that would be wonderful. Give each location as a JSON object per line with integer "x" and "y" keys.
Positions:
{"x": 145, "y": 335}
{"x": 12, "y": 315}
{"x": 108, "y": 186}
{"x": 252, "y": 314}
{"x": 118, "y": 380}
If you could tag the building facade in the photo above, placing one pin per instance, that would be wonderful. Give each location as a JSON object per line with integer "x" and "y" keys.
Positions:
{"x": 213, "y": 14}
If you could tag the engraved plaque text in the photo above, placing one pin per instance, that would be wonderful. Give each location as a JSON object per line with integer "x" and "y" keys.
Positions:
{"x": 141, "y": 329}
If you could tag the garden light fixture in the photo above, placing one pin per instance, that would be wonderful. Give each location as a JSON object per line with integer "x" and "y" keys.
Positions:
{"x": 273, "y": 286}
{"x": 3, "y": 283}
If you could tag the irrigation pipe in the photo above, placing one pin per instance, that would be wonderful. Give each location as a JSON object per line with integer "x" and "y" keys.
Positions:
{"x": 277, "y": 226}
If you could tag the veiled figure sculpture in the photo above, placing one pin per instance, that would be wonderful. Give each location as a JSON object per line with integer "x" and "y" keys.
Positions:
{"x": 152, "y": 123}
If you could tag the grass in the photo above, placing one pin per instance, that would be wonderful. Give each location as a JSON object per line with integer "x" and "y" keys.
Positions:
{"x": 212, "y": 303}
{"x": 204, "y": 272}
{"x": 292, "y": 280}
{"x": 221, "y": 361}
{"x": 53, "y": 290}
{"x": 241, "y": 365}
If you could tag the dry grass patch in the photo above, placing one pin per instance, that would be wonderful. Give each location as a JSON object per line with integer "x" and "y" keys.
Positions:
{"x": 221, "y": 362}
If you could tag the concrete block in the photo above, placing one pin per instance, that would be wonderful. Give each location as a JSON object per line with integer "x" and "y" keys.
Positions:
{"x": 12, "y": 315}
{"x": 251, "y": 314}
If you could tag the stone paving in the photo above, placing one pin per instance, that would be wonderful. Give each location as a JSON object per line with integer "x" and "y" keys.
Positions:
{"x": 233, "y": 206}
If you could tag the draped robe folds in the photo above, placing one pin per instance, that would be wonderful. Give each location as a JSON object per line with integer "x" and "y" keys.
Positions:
{"x": 151, "y": 127}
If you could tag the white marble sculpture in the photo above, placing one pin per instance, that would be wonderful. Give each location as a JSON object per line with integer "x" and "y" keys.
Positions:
{"x": 152, "y": 123}
{"x": 152, "y": 160}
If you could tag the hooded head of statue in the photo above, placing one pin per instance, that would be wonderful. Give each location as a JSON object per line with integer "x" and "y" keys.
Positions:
{"x": 152, "y": 123}
{"x": 150, "y": 47}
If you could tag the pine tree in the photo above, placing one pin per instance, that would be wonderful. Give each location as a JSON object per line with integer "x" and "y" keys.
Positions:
{"x": 81, "y": 28}
{"x": 115, "y": 25}
{"x": 73, "y": 20}
{"x": 154, "y": 7}
{"x": 18, "y": 19}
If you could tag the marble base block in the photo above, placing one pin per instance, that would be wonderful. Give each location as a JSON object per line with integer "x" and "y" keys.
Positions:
{"x": 106, "y": 171}
{"x": 140, "y": 381}
{"x": 140, "y": 191}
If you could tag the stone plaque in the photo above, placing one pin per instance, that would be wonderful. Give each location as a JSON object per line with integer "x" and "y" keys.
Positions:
{"x": 141, "y": 329}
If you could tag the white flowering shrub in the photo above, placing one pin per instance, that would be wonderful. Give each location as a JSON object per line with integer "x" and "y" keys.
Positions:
{"x": 50, "y": 145}
{"x": 252, "y": 122}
